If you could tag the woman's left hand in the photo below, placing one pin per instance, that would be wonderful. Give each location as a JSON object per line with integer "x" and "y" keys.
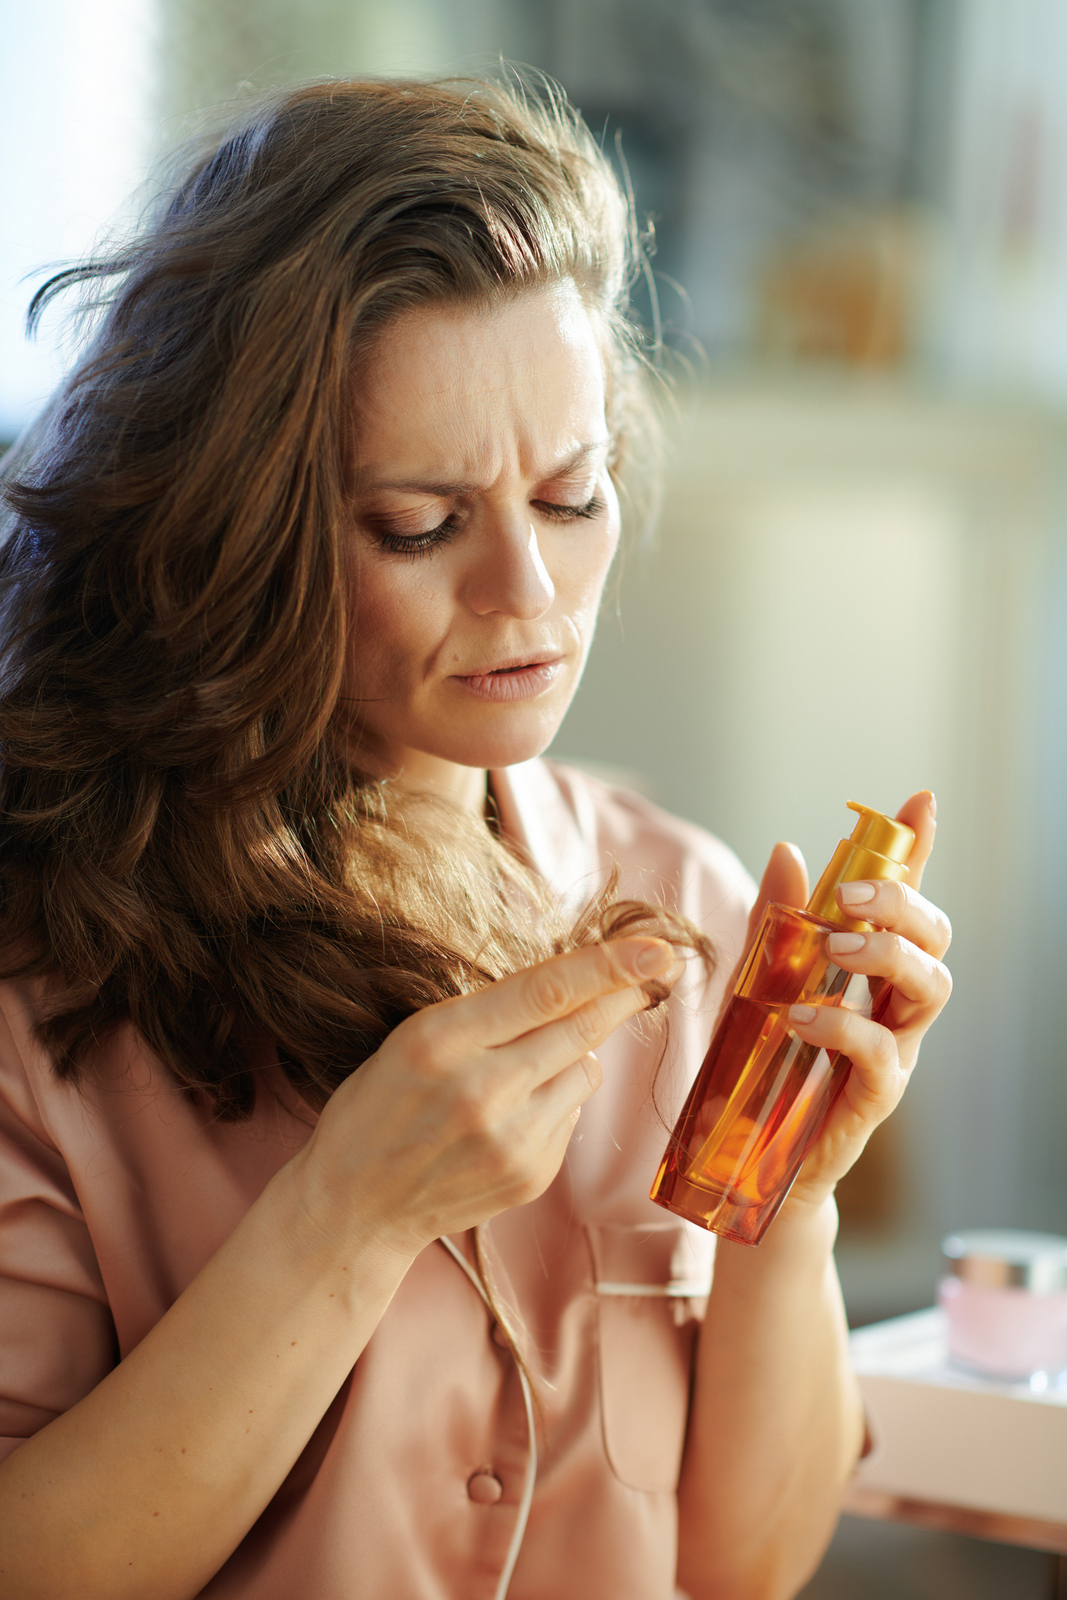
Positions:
{"x": 909, "y": 939}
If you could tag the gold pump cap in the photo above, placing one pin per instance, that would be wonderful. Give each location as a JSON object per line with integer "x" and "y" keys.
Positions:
{"x": 878, "y": 847}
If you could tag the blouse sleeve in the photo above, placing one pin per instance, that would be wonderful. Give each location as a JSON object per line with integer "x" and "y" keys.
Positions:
{"x": 57, "y": 1337}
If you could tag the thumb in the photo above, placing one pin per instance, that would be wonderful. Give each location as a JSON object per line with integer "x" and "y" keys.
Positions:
{"x": 785, "y": 879}
{"x": 920, "y": 813}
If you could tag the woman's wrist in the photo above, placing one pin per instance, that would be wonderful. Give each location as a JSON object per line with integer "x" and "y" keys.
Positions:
{"x": 800, "y": 1240}
{"x": 340, "y": 1242}
{"x": 813, "y": 1209}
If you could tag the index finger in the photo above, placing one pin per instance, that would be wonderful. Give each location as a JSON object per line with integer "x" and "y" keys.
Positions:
{"x": 515, "y": 1005}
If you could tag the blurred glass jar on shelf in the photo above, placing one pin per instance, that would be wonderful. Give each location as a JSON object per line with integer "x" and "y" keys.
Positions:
{"x": 1004, "y": 1293}
{"x": 849, "y": 293}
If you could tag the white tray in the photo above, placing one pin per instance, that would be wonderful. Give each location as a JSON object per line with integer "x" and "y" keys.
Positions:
{"x": 949, "y": 1438}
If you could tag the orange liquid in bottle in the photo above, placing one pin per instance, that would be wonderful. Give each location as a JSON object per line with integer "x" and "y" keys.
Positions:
{"x": 762, "y": 1096}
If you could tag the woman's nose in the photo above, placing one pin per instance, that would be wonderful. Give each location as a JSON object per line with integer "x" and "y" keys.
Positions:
{"x": 509, "y": 575}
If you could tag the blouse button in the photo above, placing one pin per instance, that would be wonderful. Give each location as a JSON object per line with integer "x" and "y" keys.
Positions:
{"x": 484, "y": 1489}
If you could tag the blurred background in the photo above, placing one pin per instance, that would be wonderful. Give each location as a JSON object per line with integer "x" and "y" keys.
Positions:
{"x": 858, "y": 586}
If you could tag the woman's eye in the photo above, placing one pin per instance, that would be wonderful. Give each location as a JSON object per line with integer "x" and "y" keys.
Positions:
{"x": 416, "y": 544}
{"x": 419, "y": 544}
{"x": 593, "y": 507}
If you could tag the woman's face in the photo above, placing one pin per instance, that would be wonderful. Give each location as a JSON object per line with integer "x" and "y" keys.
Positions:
{"x": 485, "y": 524}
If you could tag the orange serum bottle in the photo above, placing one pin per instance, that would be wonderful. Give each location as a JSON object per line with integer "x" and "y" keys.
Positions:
{"x": 763, "y": 1096}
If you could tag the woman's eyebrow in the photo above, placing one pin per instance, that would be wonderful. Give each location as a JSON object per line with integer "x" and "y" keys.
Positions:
{"x": 443, "y": 490}
{"x": 561, "y": 468}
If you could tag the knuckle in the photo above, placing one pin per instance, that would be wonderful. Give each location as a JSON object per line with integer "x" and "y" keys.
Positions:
{"x": 594, "y": 1072}
{"x": 885, "y": 1098}
{"x": 872, "y": 1041}
{"x": 589, "y": 1025}
{"x": 940, "y": 928}
{"x": 421, "y": 1039}
{"x": 901, "y": 897}
{"x": 489, "y": 1151}
{"x": 500, "y": 1158}
{"x": 523, "y": 1167}
{"x": 480, "y": 1117}
{"x": 608, "y": 965}
{"x": 885, "y": 1050}
{"x": 549, "y": 992}
{"x": 528, "y": 1189}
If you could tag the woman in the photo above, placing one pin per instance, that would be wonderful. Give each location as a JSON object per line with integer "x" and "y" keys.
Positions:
{"x": 313, "y": 541}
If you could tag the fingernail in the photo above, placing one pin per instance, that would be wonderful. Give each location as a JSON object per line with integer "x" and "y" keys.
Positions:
{"x": 932, "y": 803}
{"x": 653, "y": 959}
{"x": 802, "y": 1013}
{"x": 845, "y": 944}
{"x": 855, "y": 894}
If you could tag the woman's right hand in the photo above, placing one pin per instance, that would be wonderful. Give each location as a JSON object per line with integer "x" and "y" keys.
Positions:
{"x": 468, "y": 1106}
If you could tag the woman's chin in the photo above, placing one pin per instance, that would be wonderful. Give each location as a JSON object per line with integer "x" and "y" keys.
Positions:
{"x": 505, "y": 747}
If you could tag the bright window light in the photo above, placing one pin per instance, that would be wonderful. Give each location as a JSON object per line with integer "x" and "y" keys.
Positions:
{"x": 76, "y": 104}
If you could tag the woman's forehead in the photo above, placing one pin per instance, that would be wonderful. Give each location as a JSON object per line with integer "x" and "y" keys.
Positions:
{"x": 452, "y": 392}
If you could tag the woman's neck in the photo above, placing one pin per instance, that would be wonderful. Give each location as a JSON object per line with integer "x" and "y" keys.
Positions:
{"x": 465, "y": 787}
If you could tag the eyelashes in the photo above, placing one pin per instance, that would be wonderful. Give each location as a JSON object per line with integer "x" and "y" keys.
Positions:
{"x": 417, "y": 544}
{"x": 591, "y": 509}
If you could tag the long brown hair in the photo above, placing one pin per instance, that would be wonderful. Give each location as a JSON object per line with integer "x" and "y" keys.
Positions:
{"x": 185, "y": 843}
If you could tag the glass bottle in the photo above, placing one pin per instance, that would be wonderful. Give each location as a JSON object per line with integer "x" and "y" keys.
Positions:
{"x": 762, "y": 1096}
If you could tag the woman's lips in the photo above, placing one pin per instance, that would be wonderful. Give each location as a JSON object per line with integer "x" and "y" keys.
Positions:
{"x": 523, "y": 682}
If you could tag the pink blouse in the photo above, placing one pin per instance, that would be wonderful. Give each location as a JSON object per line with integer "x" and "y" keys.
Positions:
{"x": 417, "y": 1482}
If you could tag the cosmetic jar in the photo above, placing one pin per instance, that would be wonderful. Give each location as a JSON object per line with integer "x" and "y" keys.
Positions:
{"x": 1005, "y": 1297}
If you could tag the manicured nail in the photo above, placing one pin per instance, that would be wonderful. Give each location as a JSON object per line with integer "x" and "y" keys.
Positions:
{"x": 855, "y": 894}
{"x": 932, "y": 804}
{"x": 802, "y": 1014}
{"x": 653, "y": 959}
{"x": 845, "y": 944}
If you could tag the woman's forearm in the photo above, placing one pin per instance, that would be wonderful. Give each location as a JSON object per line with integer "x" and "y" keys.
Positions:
{"x": 776, "y": 1422}
{"x": 146, "y": 1486}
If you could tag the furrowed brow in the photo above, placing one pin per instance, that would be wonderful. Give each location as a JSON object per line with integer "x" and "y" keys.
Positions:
{"x": 562, "y": 468}
{"x": 445, "y": 490}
